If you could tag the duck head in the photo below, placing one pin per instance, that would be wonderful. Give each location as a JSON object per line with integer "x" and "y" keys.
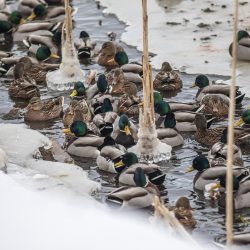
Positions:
{"x": 120, "y": 58}
{"x": 84, "y": 36}
{"x": 77, "y": 128}
{"x": 183, "y": 202}
{"x": 166, "y": 67}
{"x": 124, "y": 124}
{"x": 162, "y": 108}
{"x": 102, "y": 83}
{"x": 39, "y": 11}
{"x": 5, "y": 27}
{"x": 245, "y": 118}
{"x": 43, "y": 53}
{"x": 79, "y": 89}
{"x": 200, "y": 122}
{"x": 242, "y": 34}
{"x": 16, "y": 18}
{"x": 223, "y": 182}
{"x": 106, "y": 106}
{"x": 170, "y": 121}
{"x": 129, "y": 159}
{"x": 201, "y": 81}
{"x": 200, "y": 163}
{"x": 57, "y": 37}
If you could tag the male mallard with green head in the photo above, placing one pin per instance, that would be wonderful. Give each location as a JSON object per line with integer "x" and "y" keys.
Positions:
{"x": 22, "y": 87}
{"x": 202, "y": 82}
{"x": 167, "y": 79}
{"x": 125, "y": 132}
{"x": 169, "y": 134}
{"x": 244, "y": 119}
{"x": 152, "y": 171}
{"x": 243, "y": 46}
{"x": 241, "y": 191}
{"x": 44, "y": 110}
{"x": 141, "y": 196}
{"x": 85, "y": 144}
{"x": 206, "y": 174}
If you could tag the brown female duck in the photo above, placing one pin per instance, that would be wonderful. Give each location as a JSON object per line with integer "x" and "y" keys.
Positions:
{"x": 44, "y": 110}
{"x": 167, "y": 79}
{"x": 22, "y": 87}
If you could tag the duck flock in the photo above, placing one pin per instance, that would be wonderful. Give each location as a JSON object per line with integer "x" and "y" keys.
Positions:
{"x": 101, "y": 121}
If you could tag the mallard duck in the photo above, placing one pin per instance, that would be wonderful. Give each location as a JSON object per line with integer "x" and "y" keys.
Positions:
{"x": 103, "y": 103}
{"x": 119, "y": 84}
{"x": 22, "y": 87}
{"x": 85, "y": 144}
{"x": 125, "y": 132}
{"x": 168, "y": 133}
{"x": 184, "y": 119}
{"x": 44, "y": 110}
{"x": 241, "y": 189}
{"x": 78, "y": 110}
{"x": 85, "y": 46}
{"x": 243, "y": 46}
{"x": 184, "y": 213}
{"x": 129, "y": 105}
{"x": 111, "y": 158}
{"x": 244, "y": 119}
{"x": 204, "y": 135}
{"x": 79, "y": 90}
{"x": 202, "y": 83}
{"x": 70, "y": 70}
{"x": 206, "y": 174}
{"x": 32, "y": 71}
{"x": 104, "y": 122}
{"x": 152, "y": 171}
{"x": 44, "y": 47}
{"x": 218, "y": 152}
{"x": 3, "y": 160}
{"x": 215, "y": 104}
{"x": 167, "y": 79}
{"x": 107, "y": 54}
{"x": 14, "y": 18}
{"x": 140, "y": 196}
{"x": 40, "y": 11}
{"x": 27, "y": 6}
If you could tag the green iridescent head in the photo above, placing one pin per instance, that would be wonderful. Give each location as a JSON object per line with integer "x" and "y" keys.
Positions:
{"x": 43, "y": 53}
{"x": 121, "y": 58}
{"x": 129, "y": 159}
{"x": 123, "y": 122}
{"x": 78, "y": 128}
{"x": 170, "y": 121}
{"x": 162, "y": 108}
{"x": 157, "y": 98}
{"x": 16, "y": 18}
{"x": 246, "y": 116}
{"x": 79, "y": 89}
{"x": 200, "y": 163}
{"x": 5, "y": 27}
{"x": 57, "y": 37}
{"x": 236, "y": 183}
{"x": 242, "y": 34}
{"x": 140, "y": 178}
{"x": 106, "y": 106}
{"x": 102, "y": 83}
{"x": 201, "y": 81}
{"x": 40, "y": 10}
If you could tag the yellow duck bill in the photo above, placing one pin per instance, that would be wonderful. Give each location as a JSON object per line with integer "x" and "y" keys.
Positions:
{"x": 74, "y": 93}
{"x": 239, "y": 122}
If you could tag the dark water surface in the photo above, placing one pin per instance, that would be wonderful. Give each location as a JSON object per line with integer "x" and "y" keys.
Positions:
{"x": 211, "y": 223}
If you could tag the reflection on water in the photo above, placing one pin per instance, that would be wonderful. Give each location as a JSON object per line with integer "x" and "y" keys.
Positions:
{"x": 168, "y": 3}
{"x": 211, "y": 223}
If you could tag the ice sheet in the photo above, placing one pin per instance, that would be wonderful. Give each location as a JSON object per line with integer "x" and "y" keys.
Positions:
{"x": 175, "y": 43}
